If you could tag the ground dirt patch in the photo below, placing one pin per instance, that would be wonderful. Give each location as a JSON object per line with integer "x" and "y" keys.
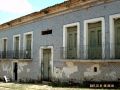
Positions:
{"x": 17, "y": 86}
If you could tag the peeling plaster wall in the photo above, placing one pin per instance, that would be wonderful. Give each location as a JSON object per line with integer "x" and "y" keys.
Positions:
{"x": 82, "y": 71}
{"x": 90, "y": 71}
{"x": 21, "y": 66}
{"x": 29, "y": 71}
{"x": 69, "y": 69}
{"x": 5, "y": 69}
{"x": 65, "y": 70}
{"x": 26, "y": 70}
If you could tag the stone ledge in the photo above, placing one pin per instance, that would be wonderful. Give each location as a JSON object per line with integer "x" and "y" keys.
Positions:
{"x": 16, "y": 60}
{"x": 96, "y": 61}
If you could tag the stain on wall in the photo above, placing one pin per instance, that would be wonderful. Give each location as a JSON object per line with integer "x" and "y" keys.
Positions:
{"x": 112, "y": 75}
{"x": 6, "y": 67}
{"x": 90, "y": 71}
{"x": 21, "y": 66}
{"x": 58, "y": 72}
{"x": 69, "y": 69}
{"x": 82, "y": 71}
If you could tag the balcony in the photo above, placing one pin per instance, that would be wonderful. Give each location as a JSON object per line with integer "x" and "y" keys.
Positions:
{"x": 68, "y": 53}
{"x": 93, "y": 53}
{"x": 17, "y": 54}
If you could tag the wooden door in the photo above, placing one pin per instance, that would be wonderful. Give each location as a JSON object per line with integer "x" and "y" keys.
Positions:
{"x": 4, "y": 52}
{"x": 117, "y": 39}
{"x": 28, "y": 45}
{"x": 94, "y": 41}
{"x": 16, "y": 47}
{"x": 72, "y": 42}
{"x": 46, "y": 64}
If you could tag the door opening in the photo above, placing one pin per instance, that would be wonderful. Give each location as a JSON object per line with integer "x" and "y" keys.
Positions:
{"x": 46, "y": 66}
{"x": 15, "y": 70}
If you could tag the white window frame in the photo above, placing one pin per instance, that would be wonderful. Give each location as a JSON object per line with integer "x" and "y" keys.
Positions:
{"x": 112, "y": 34}
{"x": 86, "y": 22}
{"x": 65, "y": 37}
{"x": 24, "y": 42}
{"x": 14, "y": 36}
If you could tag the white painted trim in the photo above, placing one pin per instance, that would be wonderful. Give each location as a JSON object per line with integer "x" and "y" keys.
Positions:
{"x": 86, "y": 35}
{"x": 65, "y": 37}
{"x": 6, "y": 43}
{"x": 17, "y": 70}
{"x": 41, "y": 57}
{"x": 24, "y": 42}
{"x": 14, "y": 36}
{"x": 112, "y": 34}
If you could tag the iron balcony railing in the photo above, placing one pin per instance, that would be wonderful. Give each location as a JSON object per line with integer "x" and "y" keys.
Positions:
{"x": 16, "y": 54}
{"x": 117, "y": 50}
{"x": 93, "y": 52}
{"x": 68, "y": 53}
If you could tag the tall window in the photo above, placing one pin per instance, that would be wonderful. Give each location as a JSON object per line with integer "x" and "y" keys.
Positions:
{"x": 16, "y": 46}
{"x": 71, "y": 38}
{"x": 94, "y": 38}
{"x": 28, "y": 45}
{"x": 117, "y": 37}
{"x": 4, "y": 48}
{"x": 72, "y": 42}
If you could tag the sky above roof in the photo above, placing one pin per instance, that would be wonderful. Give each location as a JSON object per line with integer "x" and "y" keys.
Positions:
{"x": 11, "y": 9}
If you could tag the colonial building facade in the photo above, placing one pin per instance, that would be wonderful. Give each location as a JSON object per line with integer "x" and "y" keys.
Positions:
{"x": 75, "y": 40}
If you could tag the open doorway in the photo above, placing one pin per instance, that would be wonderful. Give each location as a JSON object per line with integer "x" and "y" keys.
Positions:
{"x": 15, "y": 71}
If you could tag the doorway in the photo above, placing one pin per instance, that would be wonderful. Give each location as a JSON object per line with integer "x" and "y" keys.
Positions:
{"x": 15, "y": 71}
{"x": 46, "y": 64}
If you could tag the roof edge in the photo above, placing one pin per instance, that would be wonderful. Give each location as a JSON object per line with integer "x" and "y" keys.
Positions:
{"x": 51, "y": 10}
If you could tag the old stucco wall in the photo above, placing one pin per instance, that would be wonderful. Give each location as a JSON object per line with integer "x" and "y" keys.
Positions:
{"x": 26, "y": 70}
{"x": 29, "y": 71}
{"x": 66, "y": 70}
{"x": 82, "y": 71}
{"x": 5, "y": 69}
